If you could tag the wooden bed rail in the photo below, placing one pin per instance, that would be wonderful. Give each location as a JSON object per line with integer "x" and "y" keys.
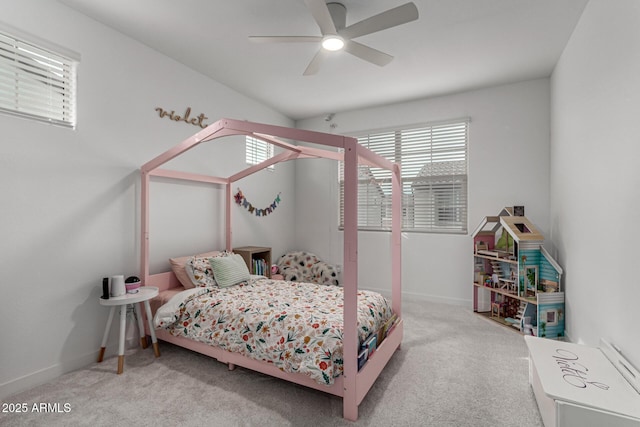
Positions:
{"x": 164, "y": 281}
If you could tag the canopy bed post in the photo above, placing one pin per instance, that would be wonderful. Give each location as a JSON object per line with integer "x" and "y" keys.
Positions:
{"x": 227, "y": 218}
{"x": 350, "y": 403}
{"x": 396, "y": 240}
{"x": 144, "y": 226}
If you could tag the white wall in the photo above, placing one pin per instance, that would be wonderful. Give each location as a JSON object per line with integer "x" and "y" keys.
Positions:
{"x": 595, "y": 196}
{"x": 71, "y": 198}
{"x": 508, "y": 165}
{"x": 70, "y": 211}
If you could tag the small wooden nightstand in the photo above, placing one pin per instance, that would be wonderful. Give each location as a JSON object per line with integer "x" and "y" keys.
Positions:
{"x": 144, "y": 294}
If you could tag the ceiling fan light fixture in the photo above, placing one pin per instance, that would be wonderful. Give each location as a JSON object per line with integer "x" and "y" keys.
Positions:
{"x": 335, "y": 35}
{"x": 332, "y": 43}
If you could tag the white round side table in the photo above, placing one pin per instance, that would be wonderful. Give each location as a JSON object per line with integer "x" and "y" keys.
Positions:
{"x": 144, "y": 294}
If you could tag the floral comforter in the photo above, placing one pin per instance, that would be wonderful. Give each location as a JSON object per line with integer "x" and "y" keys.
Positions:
{"x": 295, "y": 326}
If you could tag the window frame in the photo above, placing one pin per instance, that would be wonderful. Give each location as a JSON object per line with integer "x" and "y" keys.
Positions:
{"x": 257, "y": 151}
{"x": 439, "y": 173}
{"x": 48, "y": 69}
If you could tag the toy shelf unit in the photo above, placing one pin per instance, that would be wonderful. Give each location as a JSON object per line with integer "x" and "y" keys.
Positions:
{"x": 516, "y": 281}
{"x": 257, "y": 258}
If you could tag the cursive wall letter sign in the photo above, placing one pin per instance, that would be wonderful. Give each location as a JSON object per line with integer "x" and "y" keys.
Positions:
{"x": 197, "y": 121}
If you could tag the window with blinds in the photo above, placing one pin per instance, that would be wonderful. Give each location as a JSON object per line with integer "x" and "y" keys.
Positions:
{"x": 36, "y": 83}
{"x": 257, "y": 151}
{"x": 433, "y": 160}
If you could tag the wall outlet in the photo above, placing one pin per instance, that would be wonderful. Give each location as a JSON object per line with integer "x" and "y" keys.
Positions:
{"x": 339, "y": 268}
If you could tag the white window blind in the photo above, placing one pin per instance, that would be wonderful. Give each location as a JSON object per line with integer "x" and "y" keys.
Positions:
{"x": 433, "y": 160}
{"x": 257, "y": 151}
{"x": 36, "y": 83}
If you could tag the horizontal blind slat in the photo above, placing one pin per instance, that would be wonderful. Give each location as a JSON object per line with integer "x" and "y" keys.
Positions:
{"x": 36, "y": 83}
{"x": 257, "y": 151}
{"x": 434, "y": 168}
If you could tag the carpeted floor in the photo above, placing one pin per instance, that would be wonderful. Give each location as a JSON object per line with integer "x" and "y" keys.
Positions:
{"x": 455, "y": 368}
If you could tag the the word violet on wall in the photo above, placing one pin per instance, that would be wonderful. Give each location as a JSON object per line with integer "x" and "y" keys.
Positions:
{"x": 196, "y": 121}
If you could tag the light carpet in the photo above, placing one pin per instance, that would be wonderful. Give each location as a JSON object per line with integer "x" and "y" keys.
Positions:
{"x": 455, "y": 368}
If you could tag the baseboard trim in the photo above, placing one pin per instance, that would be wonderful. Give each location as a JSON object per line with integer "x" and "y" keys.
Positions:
{"x": 439, "y": 299}
{"x": 427, "y": 298}
{"x": 42, "y": 376}
{"x": 45, "y": 375}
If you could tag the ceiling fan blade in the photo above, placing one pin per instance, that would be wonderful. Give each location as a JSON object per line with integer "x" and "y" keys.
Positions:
{"x": 367, "y": 53}
{"x": 393, "y": 17}
{"x": 315, "y": 63}
{"x": 285, "y": 39}
{"x": 320, "y": 12}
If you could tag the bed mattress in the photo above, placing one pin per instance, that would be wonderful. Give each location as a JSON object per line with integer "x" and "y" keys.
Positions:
{"x": 296, "y": 326}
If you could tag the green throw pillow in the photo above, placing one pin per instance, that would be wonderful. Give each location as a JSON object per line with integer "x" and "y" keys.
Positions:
{"x": 229, "y": 271}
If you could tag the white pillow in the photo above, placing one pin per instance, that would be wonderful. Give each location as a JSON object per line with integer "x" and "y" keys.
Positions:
{"x": 229, "y": 271}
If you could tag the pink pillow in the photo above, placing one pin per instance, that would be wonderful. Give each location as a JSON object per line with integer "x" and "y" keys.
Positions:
{"x": 178, "y": 268}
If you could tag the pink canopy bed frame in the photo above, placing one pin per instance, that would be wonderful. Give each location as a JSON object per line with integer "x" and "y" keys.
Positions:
{"x": 353, "y": 385}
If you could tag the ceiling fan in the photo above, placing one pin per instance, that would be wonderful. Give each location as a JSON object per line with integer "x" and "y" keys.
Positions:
{"x": 331, "y": 18}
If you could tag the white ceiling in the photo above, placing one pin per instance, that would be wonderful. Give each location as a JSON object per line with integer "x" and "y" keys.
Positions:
{"x": 455, "y": 45}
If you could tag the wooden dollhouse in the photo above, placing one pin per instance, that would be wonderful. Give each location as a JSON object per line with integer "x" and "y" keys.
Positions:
{"x": 520, "y": 278}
